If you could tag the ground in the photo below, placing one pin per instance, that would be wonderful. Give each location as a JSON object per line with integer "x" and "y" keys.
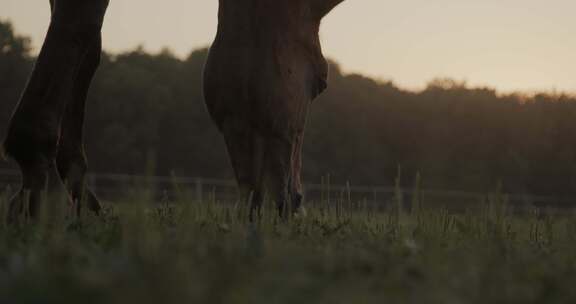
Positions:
{"x": 203, "y": 252}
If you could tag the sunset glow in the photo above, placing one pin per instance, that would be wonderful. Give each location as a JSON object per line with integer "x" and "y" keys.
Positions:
{"x": 511, "y": 45}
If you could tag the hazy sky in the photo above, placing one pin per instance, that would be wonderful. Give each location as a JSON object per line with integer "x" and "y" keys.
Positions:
{"x": 507, "y": 44}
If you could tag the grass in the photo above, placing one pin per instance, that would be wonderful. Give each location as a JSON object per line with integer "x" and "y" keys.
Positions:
{"x": 192, "y": 252}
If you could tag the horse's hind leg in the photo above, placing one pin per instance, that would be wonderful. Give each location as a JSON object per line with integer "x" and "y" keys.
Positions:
{"x": 71, "y": 159}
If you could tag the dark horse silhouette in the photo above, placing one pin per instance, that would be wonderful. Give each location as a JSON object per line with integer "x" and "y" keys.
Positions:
{"x": 46, "y": 128}
{"x": 263, "y": 71}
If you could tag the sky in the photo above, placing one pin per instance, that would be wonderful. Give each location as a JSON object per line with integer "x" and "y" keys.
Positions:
{"x": 510, "y": 45}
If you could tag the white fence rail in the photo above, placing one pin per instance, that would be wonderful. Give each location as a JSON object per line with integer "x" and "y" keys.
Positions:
{"x": 114, "y": 186}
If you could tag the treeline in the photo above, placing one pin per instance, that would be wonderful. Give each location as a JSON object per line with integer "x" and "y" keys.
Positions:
{"x": 148, "y": 108}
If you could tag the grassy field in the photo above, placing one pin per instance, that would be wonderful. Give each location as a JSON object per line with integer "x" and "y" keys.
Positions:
{"x": 192, "y": 252}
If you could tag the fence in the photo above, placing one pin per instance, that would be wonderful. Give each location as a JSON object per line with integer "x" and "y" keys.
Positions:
{"x": 115, "y": 186}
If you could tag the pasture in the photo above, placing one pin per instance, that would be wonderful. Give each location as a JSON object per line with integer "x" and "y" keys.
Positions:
{"x": 186, "y": 251}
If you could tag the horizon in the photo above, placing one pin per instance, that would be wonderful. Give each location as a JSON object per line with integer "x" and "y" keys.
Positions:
{"x": 408, "y": 44}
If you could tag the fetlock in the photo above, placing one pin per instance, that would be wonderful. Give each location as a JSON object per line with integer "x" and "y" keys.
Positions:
{"x": 72, "y": 168}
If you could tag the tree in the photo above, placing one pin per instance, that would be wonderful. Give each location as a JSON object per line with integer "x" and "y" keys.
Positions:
{"x": 360, "y": 130}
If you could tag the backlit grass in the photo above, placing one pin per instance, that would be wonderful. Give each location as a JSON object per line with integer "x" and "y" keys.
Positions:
{"x": 204, "y": 252}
